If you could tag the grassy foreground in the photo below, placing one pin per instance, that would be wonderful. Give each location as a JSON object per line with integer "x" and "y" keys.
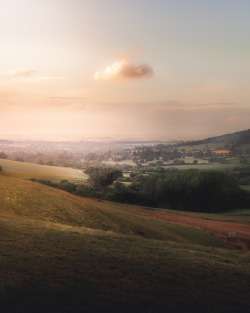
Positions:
{"x": 60, "y": 253}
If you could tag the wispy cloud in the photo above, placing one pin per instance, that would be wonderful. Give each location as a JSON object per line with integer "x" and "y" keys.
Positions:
{"x": 124, "y": 70}
{"x": 71, "y": 102}
{"x": 48, "y": 78}
{"x": 18, "y": 72}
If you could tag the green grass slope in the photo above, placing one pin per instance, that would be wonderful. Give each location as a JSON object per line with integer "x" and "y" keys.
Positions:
{"x": 32, "y": 201}
{"x": 29, "y": 170}
{"x": 60, "y": 253}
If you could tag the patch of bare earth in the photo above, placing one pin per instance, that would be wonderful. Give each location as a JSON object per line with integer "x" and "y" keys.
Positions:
{"x": 217, "y": 228}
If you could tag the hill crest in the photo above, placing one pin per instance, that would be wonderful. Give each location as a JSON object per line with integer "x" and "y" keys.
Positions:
{"x": 236, "y": 139}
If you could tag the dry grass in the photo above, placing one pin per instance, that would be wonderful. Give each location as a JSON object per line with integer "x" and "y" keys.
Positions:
{"x": 60, "y": 253}
{"x": 52, "y": 173}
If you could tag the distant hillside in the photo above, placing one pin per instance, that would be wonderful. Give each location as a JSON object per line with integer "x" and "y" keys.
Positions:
{"x": 237, "y": 139}
{"x": 4, "y": 141}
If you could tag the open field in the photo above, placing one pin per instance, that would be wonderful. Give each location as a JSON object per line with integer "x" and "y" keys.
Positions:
{"x": 124, "y": 162}
{"x": 61, "y": 253}
{"x": 236, "y": 215}
{"x": 52, "y": 173}
{"x": 202, "y": 164}
{"x": 245, "y": 187}
{"x": 212, "y": 166}
{"x": 217, "y": 224}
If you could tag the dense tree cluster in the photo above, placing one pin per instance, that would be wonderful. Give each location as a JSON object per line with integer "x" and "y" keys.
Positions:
{"x": 191, "y": 190}
{"x": 242, "y": 175}
{"x": 102, "y": 175}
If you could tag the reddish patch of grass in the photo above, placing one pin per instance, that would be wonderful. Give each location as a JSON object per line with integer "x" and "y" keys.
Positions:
{"x": 217, "y": 228}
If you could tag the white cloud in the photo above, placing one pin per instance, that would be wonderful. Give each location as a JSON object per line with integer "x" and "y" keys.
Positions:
{"x": 18, "y": 72}
{"x": 124, "y": 70}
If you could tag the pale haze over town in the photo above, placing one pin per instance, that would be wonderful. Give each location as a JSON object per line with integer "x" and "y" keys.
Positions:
{"x": 140, "y": 69}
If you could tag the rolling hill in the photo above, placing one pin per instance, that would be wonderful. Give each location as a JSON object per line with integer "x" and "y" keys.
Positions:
{"x": 61, "y": 253}
{"x": 236, "y": 139}
{"x": 42, "y": 204}
{"x": 30, "y": 170}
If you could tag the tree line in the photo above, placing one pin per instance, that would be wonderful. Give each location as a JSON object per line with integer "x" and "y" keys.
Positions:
{"x": 191, "y": 190}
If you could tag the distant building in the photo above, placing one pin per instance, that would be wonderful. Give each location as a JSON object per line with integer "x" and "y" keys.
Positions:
{"x": 222, "y": 152}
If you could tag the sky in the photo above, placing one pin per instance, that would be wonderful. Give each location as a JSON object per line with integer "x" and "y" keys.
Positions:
{"x": 137, "y": 69}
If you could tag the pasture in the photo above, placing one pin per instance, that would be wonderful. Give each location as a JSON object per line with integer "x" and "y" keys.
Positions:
{"x": 52, "y": 173}
{"x": 236, "y": 215}
{"x": 245, "y": 187}
{"x": 61, "y": 253}
{"x": 210, "y": 166}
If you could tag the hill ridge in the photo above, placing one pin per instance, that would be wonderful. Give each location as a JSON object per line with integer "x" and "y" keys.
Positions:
{"x": 236, "y": 138}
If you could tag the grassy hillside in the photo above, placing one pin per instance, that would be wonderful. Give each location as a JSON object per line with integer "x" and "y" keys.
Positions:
{"x": 28, "y": 200}
{"x": 237, "y": 138}
{"x": 29, "y": 170}
{"x": 60, "y": 253}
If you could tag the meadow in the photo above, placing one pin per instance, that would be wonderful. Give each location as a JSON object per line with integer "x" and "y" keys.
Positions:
{"x": 236, "y": 215}
{"x": 62, "y": 253}
{"x": 211, "y": 166}
{"x": 245, "y": 187}
{"x": 53, "y": 173}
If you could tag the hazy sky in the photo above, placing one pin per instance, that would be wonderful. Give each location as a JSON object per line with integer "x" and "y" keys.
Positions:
{"x": 124, "y": 68}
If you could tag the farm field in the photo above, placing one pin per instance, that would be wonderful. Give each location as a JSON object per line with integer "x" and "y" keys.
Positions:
{"x": 211, "y": 166}
{"x": 236, "y": 215}
{"x": 124, "y": 162}
{"x": 202, "y": 164}
{"x": 220, "y": 225}
{"x": 52, "y": 173}
{"x": 61, "y": 253}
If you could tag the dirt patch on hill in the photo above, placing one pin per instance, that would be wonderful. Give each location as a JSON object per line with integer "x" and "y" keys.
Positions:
{"x": 217, "y": 228}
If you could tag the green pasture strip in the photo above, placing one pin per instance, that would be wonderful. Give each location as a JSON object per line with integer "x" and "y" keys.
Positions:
{"x": 236, "y": 215}
{"x": 245, "y": 187}
{"x": 212, "y": 166}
